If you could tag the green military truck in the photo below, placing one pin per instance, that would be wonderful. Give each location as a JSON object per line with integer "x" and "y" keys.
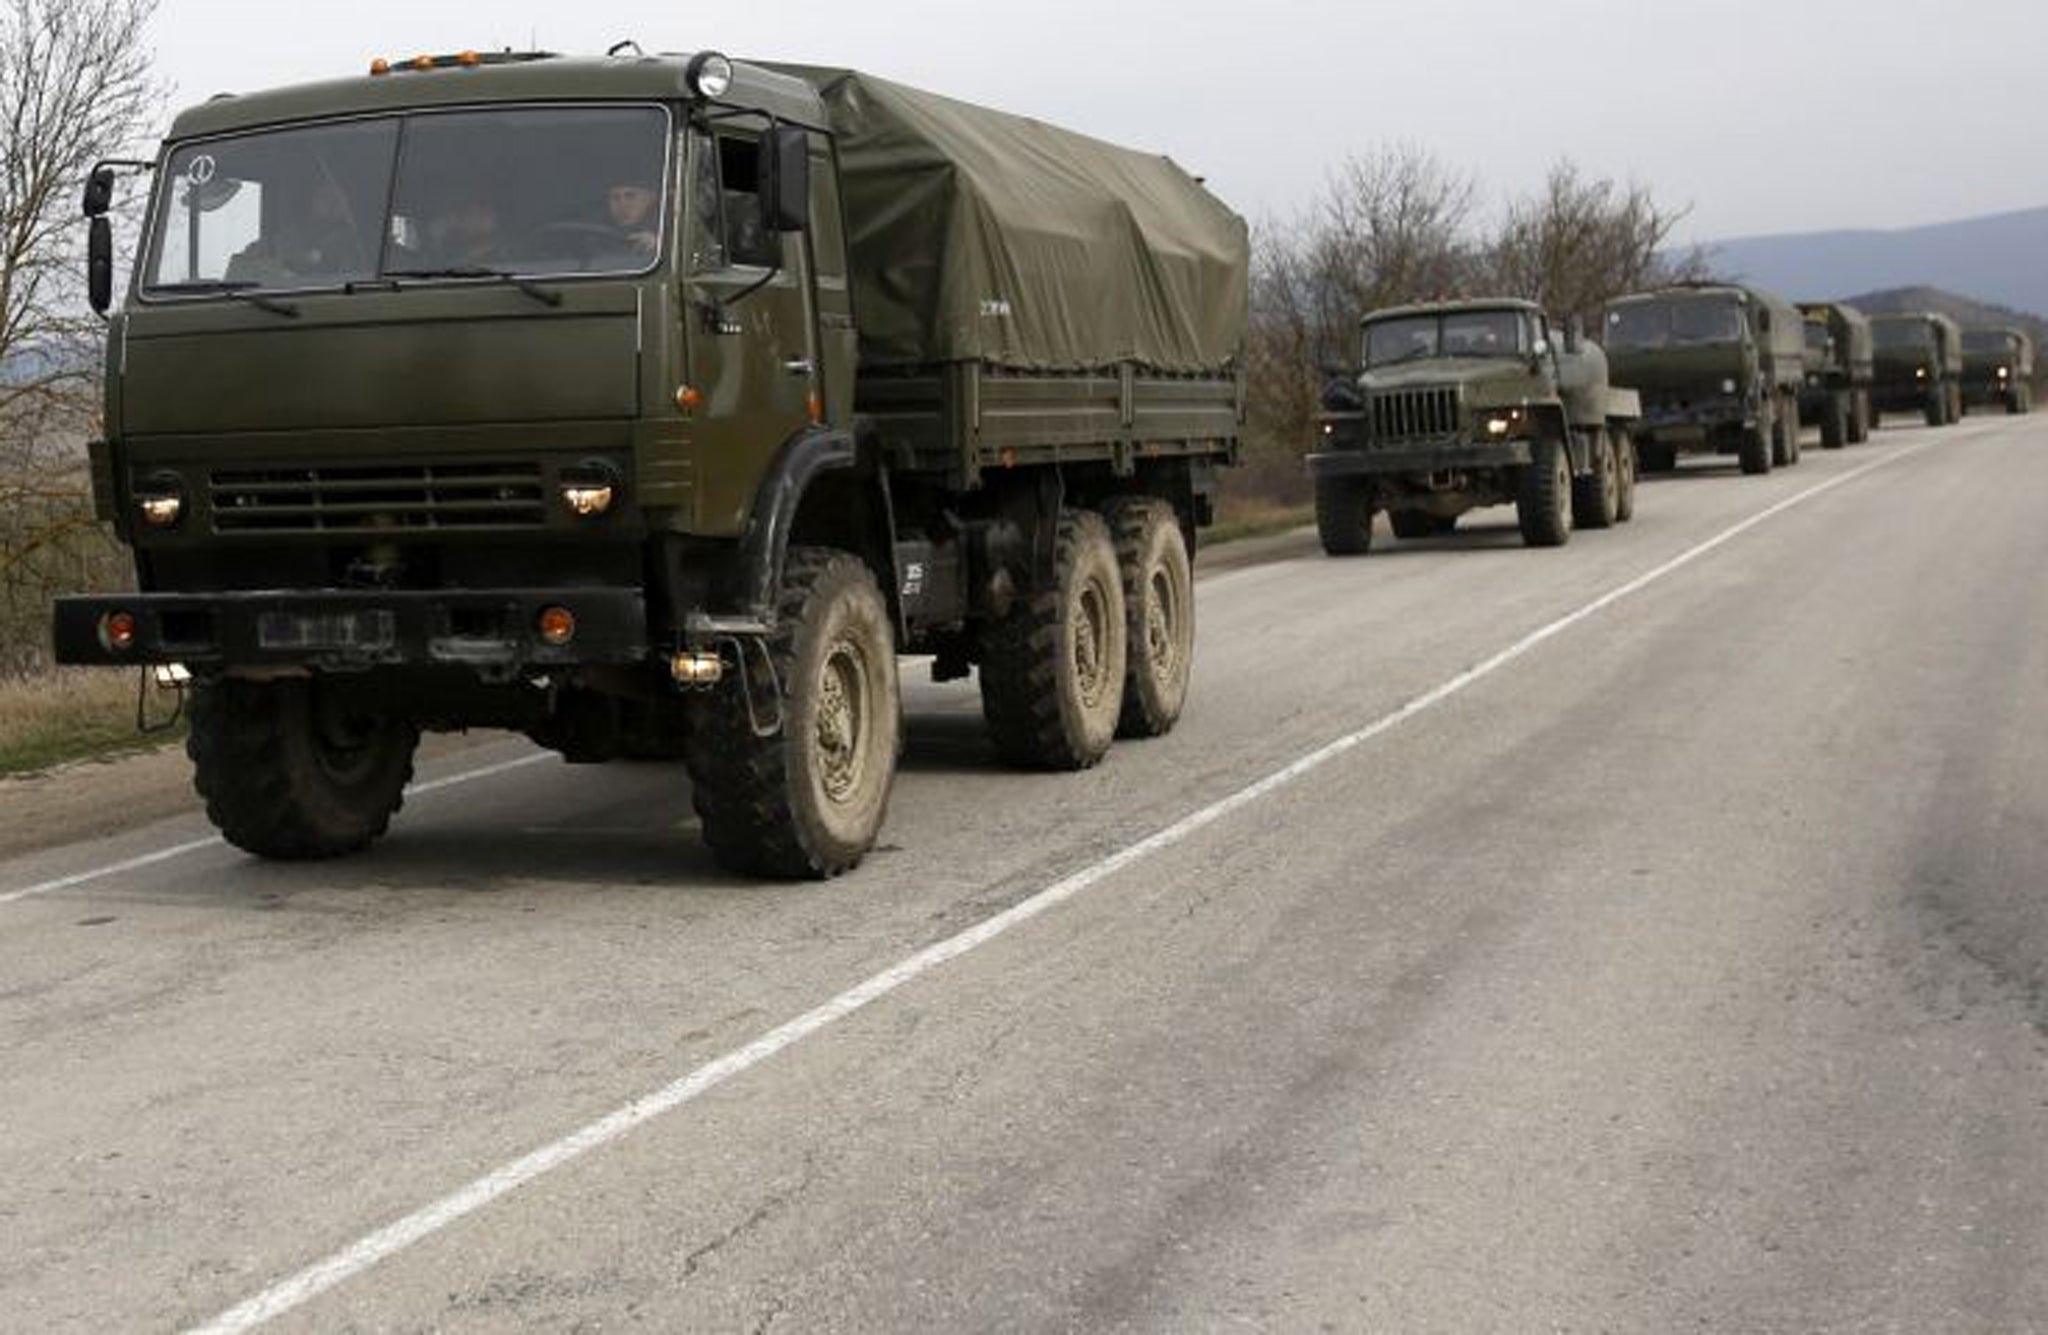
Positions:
{"x": 1465, "y": 404}
{"x": 1836, "y": 395}
{"x": 652, "y": 406}
{"x": 1998, "y": 368}
{"x": 1719, "y": 367}
{"x": 1919, "y": 367}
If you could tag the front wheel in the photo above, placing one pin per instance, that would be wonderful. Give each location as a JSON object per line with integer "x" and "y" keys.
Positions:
{"x": 1543, "y": 509}
{"x": 1159, "y": 603}
{"x": 1625, "y": 474}
{"x": 1052, "y": 668}
{"x": 806, "y": 798}
{"x": 294, "y": 769}
{"x": 1344, "y": 515}
{"x": 1834, "y": 421}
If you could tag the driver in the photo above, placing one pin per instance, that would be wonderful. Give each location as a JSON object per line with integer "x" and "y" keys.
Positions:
{"x": 631, "y": 206}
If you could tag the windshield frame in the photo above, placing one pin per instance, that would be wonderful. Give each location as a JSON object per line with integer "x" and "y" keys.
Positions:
{"x": 149, "y": 254}
{"x": 1669, "y": 304}
{"x": 1528, "y": 328}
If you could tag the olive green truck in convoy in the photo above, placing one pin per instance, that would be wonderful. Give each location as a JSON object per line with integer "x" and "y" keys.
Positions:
{"x": 1466, "y": 404}
{"x": 1836, "y": 395}
{"x": 1919, "y": 367}
{"x": 652, "y": 405}
{"x": 1998, "y": 368}
{"x": 1719, "y": 367}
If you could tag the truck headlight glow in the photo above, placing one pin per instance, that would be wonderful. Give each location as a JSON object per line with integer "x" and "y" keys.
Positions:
{"x": 1498, "y": 426}
{"x": 1727, "y": 386}
{"x": 2003, "y": 373}
{"x": 589, "y": 488}
{"x": 160, "y": 501}
{"x": 1919, "y": 373}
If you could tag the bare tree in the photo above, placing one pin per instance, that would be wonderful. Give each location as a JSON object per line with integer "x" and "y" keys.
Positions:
{"x": 1581, "y": 241}
{"x": 75, "y": 87}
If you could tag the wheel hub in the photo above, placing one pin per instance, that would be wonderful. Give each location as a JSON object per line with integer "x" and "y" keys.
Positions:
{"x": 842, "y": 721}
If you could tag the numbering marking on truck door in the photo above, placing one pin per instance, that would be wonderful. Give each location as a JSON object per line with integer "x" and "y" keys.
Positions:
{"x": 995, "y": 308}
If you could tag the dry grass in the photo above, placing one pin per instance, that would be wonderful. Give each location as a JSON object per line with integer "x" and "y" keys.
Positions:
{"x": 1255, "y": 516}
{"x": 69, "y": 714}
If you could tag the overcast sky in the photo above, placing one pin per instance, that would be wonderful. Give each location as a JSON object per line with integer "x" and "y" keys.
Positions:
{"x": 1761, "y": 115}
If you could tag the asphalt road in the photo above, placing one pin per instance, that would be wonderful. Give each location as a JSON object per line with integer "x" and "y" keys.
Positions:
{"x": 1651, "y": 933}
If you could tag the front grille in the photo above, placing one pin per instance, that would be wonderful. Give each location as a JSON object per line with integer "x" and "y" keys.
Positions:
{"x": 1414, "y": 414}
{"x": 357, "y": 497}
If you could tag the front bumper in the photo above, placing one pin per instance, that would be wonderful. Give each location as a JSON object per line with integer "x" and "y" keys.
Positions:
{"x": 351, "y": 629}
{"x": 1418, "y": 458}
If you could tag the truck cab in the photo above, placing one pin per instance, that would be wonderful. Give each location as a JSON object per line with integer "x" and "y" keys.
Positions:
{"x": 1919, "y": 366}
{"x": 1998, "y": 367}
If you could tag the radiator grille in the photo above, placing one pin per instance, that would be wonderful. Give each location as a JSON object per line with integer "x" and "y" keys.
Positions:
{"x": 357, "y": 497}
{"x": 1415, "y": 414}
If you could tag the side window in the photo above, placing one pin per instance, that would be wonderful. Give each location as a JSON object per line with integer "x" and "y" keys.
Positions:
{"x": 826, "y": 240}
{"x": 739, "y": 177}
{"x": 707, "y": 225}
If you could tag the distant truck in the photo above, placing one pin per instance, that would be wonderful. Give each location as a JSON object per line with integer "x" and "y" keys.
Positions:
{"x": 1998, "y": 368}
{"x": 1919, "y": 367}
{"x": 1719, "y": 367}
{"x": 1836, "y": 395}
{"x": 652, "y": 405}
{"x": 1466, "y": 404}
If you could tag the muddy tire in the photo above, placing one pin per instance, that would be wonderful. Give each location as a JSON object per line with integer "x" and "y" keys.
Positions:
{"x": 1344, "y": 515}
{"x": 1937, "y": 407}
{"x": 1052, "y": 670}
{"x": 1624, "y": 475}
{"x": 807, "y": 799}
{"x": 1859, "y": 417}
{"x": 1596, "y": 497}
{"x": 1159, "y": 607}
{"x": 289, "y": 773}
{"x": 1543, "y": 507}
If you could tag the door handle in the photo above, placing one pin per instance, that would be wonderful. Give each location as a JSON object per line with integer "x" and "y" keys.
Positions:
{"x": 798, "y": 366}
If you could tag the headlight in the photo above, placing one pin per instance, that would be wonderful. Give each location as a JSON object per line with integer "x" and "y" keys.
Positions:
{"x": 1498, "y": 426}
{"x": 2002, "y": 373}
{"x": 1919, "y": 373}
{"x": 708, "y": 74}
{"x": 161, "y": 501}
{"x": 589, "y": 488}
{"x": 1727, "y": 386}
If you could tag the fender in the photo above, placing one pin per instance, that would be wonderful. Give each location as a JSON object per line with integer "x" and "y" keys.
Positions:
{"x": 756, "y": 570}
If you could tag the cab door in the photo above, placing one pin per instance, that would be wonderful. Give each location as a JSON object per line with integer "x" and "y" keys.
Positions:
{"x": 753, "y": 358}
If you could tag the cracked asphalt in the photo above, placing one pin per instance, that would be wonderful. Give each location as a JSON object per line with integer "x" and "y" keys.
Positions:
{"x": 1689, "y": 970}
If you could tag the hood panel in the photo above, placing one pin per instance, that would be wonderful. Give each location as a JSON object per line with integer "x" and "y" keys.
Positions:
{"x": 309, "y": 374}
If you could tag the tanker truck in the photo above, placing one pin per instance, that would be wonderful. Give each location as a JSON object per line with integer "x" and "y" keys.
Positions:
{"x": 1719, "y": 367}
{"x": 1466, "y": 404}
{"x": 652, "y": 406}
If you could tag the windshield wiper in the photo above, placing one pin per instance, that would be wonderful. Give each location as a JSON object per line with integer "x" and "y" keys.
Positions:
{"x": 546, "y": 296}
{"x": 238, "y": 289}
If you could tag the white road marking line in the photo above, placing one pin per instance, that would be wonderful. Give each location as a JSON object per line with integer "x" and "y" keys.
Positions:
{"x": 430, "y": 1219}
{"x": 215, "y": 841}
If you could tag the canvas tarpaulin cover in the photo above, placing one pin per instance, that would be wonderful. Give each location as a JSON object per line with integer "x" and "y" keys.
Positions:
{"x": 975, "y": 235}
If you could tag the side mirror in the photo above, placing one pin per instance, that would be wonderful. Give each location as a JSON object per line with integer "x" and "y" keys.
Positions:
{"x": 99, "y": 191}
{"x": 99, "y": 264}
{"x": 785, "y": 170}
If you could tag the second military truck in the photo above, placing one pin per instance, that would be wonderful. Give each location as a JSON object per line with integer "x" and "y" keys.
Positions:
{"x": 652, "y": 405}
{"x": 1836, "y": 395}
{"x": 1719, "y": 367}
{"x": 1467, "y": 404}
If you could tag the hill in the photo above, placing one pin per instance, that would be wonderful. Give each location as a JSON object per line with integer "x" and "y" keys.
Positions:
{"x": 1992, "y": 259}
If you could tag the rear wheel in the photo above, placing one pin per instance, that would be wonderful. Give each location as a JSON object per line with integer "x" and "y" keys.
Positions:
{"x": 1052, "y": 669}
{"x": 1859, "y": 417}
{"x": 1625, "y": 475}
{"x": 1596, "y": 497}
{"x": 1543, "y": 509}
{"x": 1415, "y": 524}
{"x": 1159, "y": 603}
{"x": 1344, "y": 515}
{"x": 805, "y": 799}
{"x": 292, "y": 770}
{"x": 1834, "y": 421}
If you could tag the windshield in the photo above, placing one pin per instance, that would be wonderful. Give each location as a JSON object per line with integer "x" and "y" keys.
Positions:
{"x": 1816, "y": 336}
{"x": 1987, "y": 340}
{"x": 528, "y": 191}
{"x": 1459, "y": 334}
{"x": 1907, "y": 333}
{"x": 1658, "y": 324}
